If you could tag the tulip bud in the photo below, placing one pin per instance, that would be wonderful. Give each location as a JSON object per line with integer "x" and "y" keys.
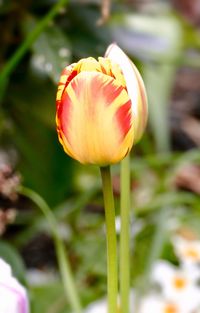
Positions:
{"x": 13, "y": 297}
{"x": 99, "y": 114}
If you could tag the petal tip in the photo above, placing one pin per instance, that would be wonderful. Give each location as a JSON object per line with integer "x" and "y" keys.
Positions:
{"x": 110, "y": 48}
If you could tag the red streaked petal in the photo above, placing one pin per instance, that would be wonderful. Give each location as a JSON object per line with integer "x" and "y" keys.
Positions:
{"x": 67, "y": 75}
{"x": 117, "y": 55}
{"x": 89, "y": 119}
{"x": 124, "y": 118}
{"x": 106, "y": 89}
{"x": 63, "y": 113}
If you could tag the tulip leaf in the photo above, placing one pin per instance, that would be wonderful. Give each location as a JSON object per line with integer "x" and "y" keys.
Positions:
{"x": 51, "y": 53}
{"x": 12, "y": 257}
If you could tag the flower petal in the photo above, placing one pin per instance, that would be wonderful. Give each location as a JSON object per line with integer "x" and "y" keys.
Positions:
{"x": 13, "y": 296}
{"x": 94, "y": 120}
{"x": 112, "y": 69}
{"x": 89, "y": 65}
{"x": 135, "y": 88}
{"x": 67, "y": 75}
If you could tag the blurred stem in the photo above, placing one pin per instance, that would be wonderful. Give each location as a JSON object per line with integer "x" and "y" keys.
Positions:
{"x": 17, "y": 56}
{"x": 153, "y": 253}
{"x": 125, "y": 236}
{"x": 155, "y": 248}
{"x": 65, "y": 270}
{"x": 112, "y": 273}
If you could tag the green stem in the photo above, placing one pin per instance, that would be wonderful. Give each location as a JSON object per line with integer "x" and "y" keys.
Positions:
{"x": 112, "y": 272}
{"x": 65, "y": 270}
{"x": 32, "y": 36}
{"x": 125, "y": 236}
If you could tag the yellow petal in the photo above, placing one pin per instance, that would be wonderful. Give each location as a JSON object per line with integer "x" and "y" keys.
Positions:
{"x": 112, "y": 69}
{"x": 94, "y": 119}
{"x": 88, "y": 64}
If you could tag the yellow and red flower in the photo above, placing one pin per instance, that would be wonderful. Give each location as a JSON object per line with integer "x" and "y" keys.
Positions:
{"x": 101, "y": 108}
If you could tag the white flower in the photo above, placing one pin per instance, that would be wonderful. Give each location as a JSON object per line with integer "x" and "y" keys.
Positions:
{"x": 155, "y": 304}
{"x": 13, "y": 297}
{"x": 100, "y": 306}
{"x": 178, "y": 285}
{"x": 136, "y": 226}
{"x": 118, "y": 224}
{"x": 188, "y": 251}
{"x": 97, "y": 307}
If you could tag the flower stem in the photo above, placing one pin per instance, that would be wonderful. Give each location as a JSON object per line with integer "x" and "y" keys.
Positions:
{"x": 65, "y": 270}
{"x": 112, "y": 272}
{"x": 125, "y": 236}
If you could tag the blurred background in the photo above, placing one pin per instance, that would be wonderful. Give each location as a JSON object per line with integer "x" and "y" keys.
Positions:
{"x": 38, "y": 39}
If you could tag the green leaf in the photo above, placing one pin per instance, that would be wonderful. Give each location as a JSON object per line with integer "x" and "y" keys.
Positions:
{"x": 12, "y": 256}
{"x": 51, "y": 53}
{"x": 49, "y": 299}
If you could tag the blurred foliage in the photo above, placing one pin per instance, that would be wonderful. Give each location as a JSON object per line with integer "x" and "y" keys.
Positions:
{"x": 161, "y": 39}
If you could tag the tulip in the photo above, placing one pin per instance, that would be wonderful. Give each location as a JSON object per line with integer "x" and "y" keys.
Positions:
{"x": 13, "y": 297}
{"x": 101, "y": 108}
